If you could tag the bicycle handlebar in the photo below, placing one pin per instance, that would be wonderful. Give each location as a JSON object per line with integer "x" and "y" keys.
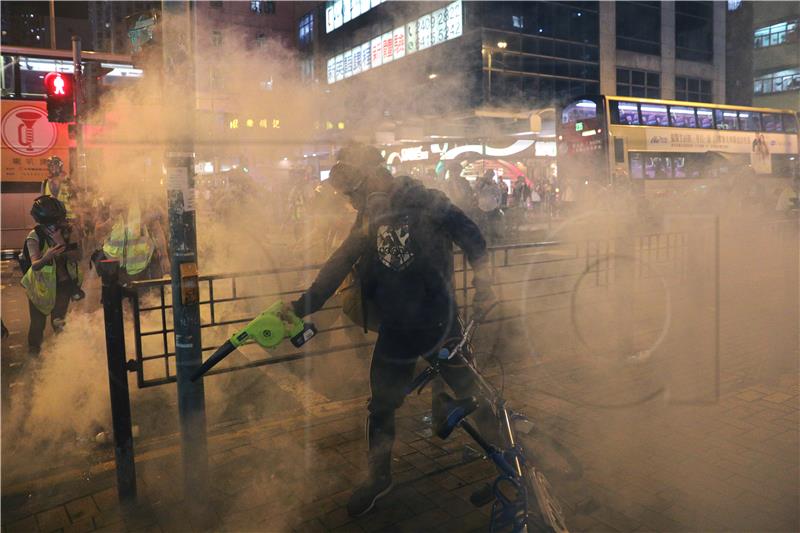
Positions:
{"x": 444, "y": 354}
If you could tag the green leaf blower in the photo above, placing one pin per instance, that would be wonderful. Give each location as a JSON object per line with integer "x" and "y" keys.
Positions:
{"x": 268, "y": 330}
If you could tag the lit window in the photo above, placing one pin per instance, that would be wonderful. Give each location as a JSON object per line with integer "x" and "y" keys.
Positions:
{"x": 517, "y": 21}
{"x": 777, "y": 82}
{"x": 262, "y": 7}
{"x": 306, "y": 29}
{"x": 654, "y": 115}
{"x": 777, "y": 34}
{"x": 682, "y": 117}
{"x": 726, "y": 120}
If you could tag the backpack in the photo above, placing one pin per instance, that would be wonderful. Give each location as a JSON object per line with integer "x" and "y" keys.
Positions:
{"x": 24, "y": 257}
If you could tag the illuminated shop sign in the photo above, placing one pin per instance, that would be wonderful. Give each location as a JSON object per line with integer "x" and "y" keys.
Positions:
{"x": 341, "y": 12}
{"x": 444, "y": 152}
{"x": 259, "y": 123}
{"x": 428, "y": 30}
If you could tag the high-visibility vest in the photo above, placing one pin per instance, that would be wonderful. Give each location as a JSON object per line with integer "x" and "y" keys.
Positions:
{"x": 130, "y": 242}
{"x": 64, "y": 195}
{"x": 40, "y": 285}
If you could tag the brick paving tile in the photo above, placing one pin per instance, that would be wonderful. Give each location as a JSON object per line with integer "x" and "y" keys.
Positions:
{"x": 152, "y": 528}
{"x": 84, "y": 507}
{"x": 473, "y": 472}
{"x": 81, "y": 526}
{"x": 348, "y": 528}
{"x": 335, "y": 518}
{"x": 425, "y": 521}
{"x": 582, "y": 523}
{"x": 110, "y": 529}
{"x": 658, "y": 521}
{"x": 107, "y": 518}
{"x": 455, "y": 506}
{"x": 421, "y": 463}
{"x": 26, "y": 525}
{"x": 52, "y": 519}
{"x": 474, "y": 521}
{"x": 386, "y": 513}
{"x": 310, "y": 526}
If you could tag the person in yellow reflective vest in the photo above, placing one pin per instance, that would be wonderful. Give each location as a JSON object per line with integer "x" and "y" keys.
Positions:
{"x": 54, "y": 277}
{"x": 131, "y": 243}
{"x": 58, "y": 185}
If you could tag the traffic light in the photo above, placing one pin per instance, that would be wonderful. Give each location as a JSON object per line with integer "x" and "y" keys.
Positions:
{"x": 60, "y": 97}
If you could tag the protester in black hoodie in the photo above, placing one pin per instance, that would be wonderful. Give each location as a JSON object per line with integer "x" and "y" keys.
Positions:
{"x": 401, "y": 246}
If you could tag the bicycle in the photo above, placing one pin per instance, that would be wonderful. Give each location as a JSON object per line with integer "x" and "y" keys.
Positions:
{"x": 523, "y": 500}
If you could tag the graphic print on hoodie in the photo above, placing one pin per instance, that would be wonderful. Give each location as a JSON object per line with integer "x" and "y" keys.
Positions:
{"x": 393, "y": 247}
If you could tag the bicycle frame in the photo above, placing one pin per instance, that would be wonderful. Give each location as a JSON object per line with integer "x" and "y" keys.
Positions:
{"x": 509, "y": 460}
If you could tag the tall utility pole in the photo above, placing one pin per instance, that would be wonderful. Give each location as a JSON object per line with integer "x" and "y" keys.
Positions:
{"x": 53, "y": 24}
{"x": 78, "y": 88}
{"x": 178, "y": 82}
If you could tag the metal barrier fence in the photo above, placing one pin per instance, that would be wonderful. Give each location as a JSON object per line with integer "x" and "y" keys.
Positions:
{"x": 536, "y": 276}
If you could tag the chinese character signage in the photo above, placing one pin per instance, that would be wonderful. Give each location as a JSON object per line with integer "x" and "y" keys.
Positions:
{"x": 662, "y": 139}
{"x": 338, "y": 12}
{"x": 426, "y": 31}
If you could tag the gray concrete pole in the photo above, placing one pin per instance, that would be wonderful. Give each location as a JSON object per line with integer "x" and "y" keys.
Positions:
{"x": 177, "y": 26}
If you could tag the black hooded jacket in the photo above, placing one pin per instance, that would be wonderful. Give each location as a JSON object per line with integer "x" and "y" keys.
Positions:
{"x": 404, "y": 255}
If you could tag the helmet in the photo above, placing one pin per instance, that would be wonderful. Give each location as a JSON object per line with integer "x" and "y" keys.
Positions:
{"x": 48, "y": 210}
{"x": 355, "y": 162}
{"x": 55, "y": 165}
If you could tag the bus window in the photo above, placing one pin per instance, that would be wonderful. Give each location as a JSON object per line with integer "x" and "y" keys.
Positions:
{"x": 579, "y": 110}
{"x": 705, "y": 118}
{"x": 658, "y": 167}
{"x": 679, "y": 164}
{"x": 625, "y": 113}
{"x": 749, "y": 121}
{"x": 726, "y": 120}
{"x": 771, "y": 122}
{"x": 789, "y": 123}
{"x": 654, "y": 115}
{"x": 682, "y": 117}
{"x": 637, "y": 164}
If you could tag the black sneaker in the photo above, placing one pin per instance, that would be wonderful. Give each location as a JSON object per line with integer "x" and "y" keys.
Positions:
{"x": 364, "y": 497}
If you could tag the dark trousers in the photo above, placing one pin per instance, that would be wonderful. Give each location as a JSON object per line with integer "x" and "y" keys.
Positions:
{"x": 39, "y": 320}
{"x": 393, "y": 363}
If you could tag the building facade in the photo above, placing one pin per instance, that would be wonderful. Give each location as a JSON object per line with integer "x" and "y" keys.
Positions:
{"x": 423, "y": 77}
{"x": 519, "y": 55}
{"x": 764, "y": 58}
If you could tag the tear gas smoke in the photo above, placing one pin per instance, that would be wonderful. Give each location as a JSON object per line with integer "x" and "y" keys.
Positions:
{"x": 615, "y": 331}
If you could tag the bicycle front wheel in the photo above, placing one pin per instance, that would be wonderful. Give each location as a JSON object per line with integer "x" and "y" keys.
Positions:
{"x": 544, "y": 510}
{"x": 548, "y": 454}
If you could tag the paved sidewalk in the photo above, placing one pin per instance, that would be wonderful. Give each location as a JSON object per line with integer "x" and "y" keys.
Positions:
{"x": 296, "y": 474}
{"x": 664, "y": 462}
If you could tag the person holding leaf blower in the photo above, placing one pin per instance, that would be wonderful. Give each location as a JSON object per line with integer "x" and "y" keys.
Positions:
{"x": 399, "y": 255}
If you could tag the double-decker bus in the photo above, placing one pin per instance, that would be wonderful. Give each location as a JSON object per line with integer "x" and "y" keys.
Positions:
{"x": 667, "y": 144}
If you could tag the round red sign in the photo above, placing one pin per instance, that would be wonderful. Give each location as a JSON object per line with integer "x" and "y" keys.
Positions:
{"x": 27, "y": 132}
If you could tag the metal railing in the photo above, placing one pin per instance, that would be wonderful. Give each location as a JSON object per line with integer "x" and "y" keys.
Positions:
{"x": 534, "y": 276}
